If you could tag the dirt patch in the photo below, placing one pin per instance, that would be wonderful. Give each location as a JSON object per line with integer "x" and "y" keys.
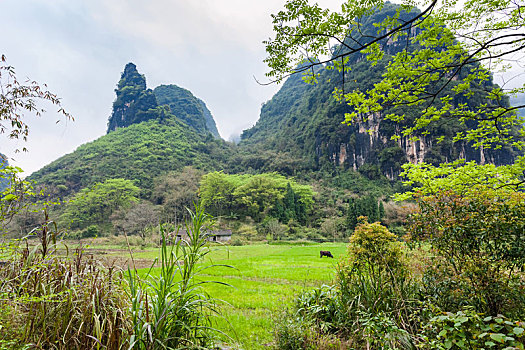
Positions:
{"x": 124, "y": 263}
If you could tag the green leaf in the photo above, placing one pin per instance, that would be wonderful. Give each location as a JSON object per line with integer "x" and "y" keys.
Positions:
{"x": 498, "y": 337}
{"x": 9, "y": 197}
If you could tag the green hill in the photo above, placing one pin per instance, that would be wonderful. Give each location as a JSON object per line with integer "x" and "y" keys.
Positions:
{"x": 150, "y": 132}
{"x": 188, "y": 108}
{"x": 299, "y": 133}
{"x": 139, "y": 152}
{"x": 304, "y": 122}
{"x": 135, "y": 103}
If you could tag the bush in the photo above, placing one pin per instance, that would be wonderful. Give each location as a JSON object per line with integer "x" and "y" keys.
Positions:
{"x": 467, "y": 329}
{"x": 291, "y": 334}
{"x": 479, "y": 245}
{"x": 237, "y": 241}
{"x": 372, "y": 304}
{"x": 90, "y": 231}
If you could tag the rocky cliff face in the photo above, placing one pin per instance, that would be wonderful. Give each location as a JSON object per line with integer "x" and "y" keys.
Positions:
{"x": 135, "y": 103}
{"x": 305, "y": 122}
{"x": 365, "y": 144}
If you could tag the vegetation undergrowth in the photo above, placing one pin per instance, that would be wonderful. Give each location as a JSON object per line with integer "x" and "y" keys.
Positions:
{"x": 378, "y": 302}
{"x": 171, "y": 310}
{"x": 54, "y": 301}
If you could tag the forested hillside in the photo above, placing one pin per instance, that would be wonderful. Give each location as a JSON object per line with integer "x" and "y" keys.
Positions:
{"x": 136, "y": 103}
{"x": 186, "y": 107}
{"x": 139, "y": 152}
{"x": 305, "y": 122}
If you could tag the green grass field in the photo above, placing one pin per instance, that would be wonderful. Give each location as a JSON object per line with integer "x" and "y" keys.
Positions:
{"x": 264, "y": 280}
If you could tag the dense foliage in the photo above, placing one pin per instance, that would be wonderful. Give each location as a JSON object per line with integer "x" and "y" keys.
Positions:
{"x": 370, "y": 306}
{"x": 187, "y": 108}
{"x": 139, "y": 153}
{"x": 94, "y": 206}
{"x": 367, "y": 206}
{"x": 305, "y": 120}
{"x": 480, "y": 244}
{"x": 256, "y": 196}
{"x": 49, "y": 300}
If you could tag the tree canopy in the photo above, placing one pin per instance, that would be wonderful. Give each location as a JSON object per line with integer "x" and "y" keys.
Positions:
{"x": 256, "y": 196}
{"x": 95, "y": 205}
{"x": 438, "y": 59}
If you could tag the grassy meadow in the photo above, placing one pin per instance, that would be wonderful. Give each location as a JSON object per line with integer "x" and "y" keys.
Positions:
{"x": 262, "y": 279}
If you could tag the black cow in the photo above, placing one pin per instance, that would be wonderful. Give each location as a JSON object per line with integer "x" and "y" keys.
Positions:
{"x": 326, "y": 253}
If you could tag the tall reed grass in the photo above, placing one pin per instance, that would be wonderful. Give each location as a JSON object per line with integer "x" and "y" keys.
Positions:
{"x": 170, "y": 310}
{"x": 58, "y": 300}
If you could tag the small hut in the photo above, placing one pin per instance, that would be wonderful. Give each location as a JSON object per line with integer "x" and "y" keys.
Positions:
{"x": 220, "y": 236}
{"x": 213, "y": 236}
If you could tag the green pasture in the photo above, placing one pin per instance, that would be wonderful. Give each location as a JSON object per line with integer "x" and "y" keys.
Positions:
{"x": 263, "y": 280}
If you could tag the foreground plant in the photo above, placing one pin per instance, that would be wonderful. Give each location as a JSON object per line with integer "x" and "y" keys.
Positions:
{"x": 371, "y": 306}
{"x": 170, "y": 310}
{"x": 479, "y": 246}
{"x": 53, "y": 301}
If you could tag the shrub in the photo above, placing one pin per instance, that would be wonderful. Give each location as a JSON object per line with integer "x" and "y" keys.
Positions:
{"x": 372, "y": 304}
{"x": 89, "y": 232}
{"x": 237, "y": 241}
{"x": 467, "y": 329}
{"x": 292, "y": 334}
{"x": 478, "y": 240}
{"x": 374, "y": 281}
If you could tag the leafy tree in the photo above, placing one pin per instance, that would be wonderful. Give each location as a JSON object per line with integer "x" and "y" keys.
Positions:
{"x": 216, "y": 192}
{"x": 18, "y": 98}
{"x": 138, "y": 219}
{"x": 176, "y": 192}
{"x": 95, "y": 205}
{"x": 479, "y": 238}
{"x": 14, "y": 197}
{"x": 437, "y": 61}
{"x": 256, "y": 196}
{"x": 351, "y": 215}
{"x": 333, "y": 228}
{"x": 367, "y": 206}
{"x": 304, "y": 34}
{"x": 275, "y": 229}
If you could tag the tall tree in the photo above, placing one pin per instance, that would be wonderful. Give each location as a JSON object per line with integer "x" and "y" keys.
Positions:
{"x": 18, "y": 98}
{"x": 94, "y": 206}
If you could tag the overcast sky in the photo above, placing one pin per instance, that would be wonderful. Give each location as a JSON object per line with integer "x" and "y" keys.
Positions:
{"x": 79, "y": 48}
